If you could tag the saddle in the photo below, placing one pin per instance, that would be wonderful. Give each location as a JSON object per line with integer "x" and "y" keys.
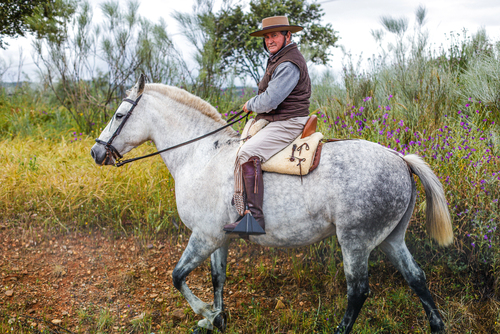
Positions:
{"x": 300, "y": 157}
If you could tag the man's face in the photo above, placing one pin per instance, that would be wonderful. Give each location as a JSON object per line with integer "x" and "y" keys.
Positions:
{"x": 274, "y": 41}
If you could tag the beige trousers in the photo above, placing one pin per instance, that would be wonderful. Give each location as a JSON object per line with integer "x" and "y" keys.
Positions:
{"x": 266, "y": 143}
{"x": 272, "y": 139}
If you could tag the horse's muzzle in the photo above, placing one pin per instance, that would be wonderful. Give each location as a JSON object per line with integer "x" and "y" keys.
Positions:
{"x": 100, "y": 156}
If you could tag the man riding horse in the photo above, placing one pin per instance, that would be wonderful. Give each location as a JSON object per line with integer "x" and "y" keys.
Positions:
{"x": 283, "y": 100}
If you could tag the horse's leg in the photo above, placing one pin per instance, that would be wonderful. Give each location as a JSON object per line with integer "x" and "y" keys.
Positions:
{"x": 398, "y": 254}
{"x": 218, "y": 262}
{"x": 395, "y": 248}
{"x": 197, "y": 251}
{"x": 356, "y": 273}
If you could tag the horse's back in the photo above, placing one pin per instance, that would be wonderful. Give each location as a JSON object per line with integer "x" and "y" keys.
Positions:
{"x": 359, "y": 186}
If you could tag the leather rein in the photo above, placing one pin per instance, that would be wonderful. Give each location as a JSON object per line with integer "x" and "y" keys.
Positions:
{"x": 111, "y": 151}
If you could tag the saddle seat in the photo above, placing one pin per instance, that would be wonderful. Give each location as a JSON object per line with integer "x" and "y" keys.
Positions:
{"x": 300, "y": 157}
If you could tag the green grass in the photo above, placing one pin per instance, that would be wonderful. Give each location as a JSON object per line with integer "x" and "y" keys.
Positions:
{"x": 51, "y": 181}
{"x": 440, "y": 106}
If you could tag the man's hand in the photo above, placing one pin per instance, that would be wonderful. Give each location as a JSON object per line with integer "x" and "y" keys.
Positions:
{"x": 245, "y": 109}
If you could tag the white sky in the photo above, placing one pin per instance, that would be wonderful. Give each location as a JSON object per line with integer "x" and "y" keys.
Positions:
{"x": 353, "y": 19}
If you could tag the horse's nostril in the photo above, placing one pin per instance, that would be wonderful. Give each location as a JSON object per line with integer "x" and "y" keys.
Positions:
{"x": 92, "y": 153}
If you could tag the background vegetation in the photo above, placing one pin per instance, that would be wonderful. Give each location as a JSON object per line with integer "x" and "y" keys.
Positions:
{"x": 442, "y": 104}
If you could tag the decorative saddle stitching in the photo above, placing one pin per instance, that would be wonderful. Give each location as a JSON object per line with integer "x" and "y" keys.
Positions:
{"x": 299, "y": 149}
{"x": 283, "y": 162}
{"x": 300, "y": 160}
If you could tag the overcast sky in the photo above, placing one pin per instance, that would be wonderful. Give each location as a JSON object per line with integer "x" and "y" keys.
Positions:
{"x": 353, "y": 19}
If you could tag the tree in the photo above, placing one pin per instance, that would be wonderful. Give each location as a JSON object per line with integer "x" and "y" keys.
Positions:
{"x": 201, "y": 29}
{"x": 246, "y": 53}
{"x": 90, "y": 66}
{"x": 42, "y": 17}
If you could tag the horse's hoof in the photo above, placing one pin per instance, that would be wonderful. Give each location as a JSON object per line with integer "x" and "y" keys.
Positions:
{"x": 200, "y": 330}
{"x": 220, "y": 321}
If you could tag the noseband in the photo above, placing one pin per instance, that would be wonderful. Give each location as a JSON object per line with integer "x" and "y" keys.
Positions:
{"x": 111, "y": 151}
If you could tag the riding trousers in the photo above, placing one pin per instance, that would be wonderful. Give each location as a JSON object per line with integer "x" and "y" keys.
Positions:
{"x": 272, "y": 139}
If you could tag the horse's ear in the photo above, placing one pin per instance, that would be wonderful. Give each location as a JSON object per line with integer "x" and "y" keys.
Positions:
{"x": 141, "y": 84}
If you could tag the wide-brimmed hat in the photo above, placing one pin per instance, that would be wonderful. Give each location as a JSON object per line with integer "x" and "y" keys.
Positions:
{"x": 275, "y": 23}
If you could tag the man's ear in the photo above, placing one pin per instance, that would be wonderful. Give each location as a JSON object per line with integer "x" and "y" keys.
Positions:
{"x": 288, "y": 37}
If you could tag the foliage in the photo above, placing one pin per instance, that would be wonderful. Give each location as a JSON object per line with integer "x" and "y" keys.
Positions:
{"x": 462, "y": 149}
{"x": 245, "y": 53}
{"x": 126, "y": 43}
{"x": 439, "y": 104}
{"x": 428, "y": 82}
{"x": 201, "y": 30}
{"x": 481, "y": 81}
{"x": 44, "y": 18}
{"x": 57, "y": 178}
{"x": 464, "y": 48}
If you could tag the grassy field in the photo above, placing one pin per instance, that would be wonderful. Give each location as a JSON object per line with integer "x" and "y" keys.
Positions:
{"x": 442, "y": 105}
{"x": 51, "y": 187}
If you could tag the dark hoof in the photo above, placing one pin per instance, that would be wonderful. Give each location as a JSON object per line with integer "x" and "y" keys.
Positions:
{"x": 220, "y": 321}
{"x": 200, "y": 330}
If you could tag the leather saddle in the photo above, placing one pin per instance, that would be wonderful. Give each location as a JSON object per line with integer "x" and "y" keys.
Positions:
{"x": 300, "y": 157}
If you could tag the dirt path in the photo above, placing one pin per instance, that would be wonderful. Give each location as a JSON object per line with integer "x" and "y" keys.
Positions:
{"x": 62, "y": 278}
{"x": 95, "y": 282}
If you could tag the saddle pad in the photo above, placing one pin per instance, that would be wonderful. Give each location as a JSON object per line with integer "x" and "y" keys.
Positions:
{"x": 295, "y": 159}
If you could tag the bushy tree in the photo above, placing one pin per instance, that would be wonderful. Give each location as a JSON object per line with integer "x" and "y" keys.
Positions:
{"x": 45, "y": 18}
{"x": 222, "y": 41}
{"x": 201, "y": 29}
{"x": 90, "y": 66}
{"x": 247, "y": 54}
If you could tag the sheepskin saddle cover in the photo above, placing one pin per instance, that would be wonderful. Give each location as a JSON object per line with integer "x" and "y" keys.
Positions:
{"x": 295, "y": 159}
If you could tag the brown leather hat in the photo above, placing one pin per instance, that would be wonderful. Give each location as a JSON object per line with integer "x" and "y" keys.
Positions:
{"x": 275, "y": 23}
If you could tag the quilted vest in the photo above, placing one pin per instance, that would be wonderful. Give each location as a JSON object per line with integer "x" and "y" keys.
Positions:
{"x": 297, "y": 103}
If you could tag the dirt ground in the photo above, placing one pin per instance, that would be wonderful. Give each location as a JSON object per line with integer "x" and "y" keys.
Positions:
{"x": 98, "y": 282}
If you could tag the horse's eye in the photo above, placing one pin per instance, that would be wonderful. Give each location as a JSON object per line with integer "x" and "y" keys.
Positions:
{"x": 118, "y": 116}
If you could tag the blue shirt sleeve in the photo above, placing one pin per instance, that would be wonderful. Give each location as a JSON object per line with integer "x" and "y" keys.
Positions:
{"x": 284, "y": 79}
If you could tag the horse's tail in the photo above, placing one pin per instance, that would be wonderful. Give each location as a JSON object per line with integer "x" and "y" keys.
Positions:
{"x": 438, "y": 219}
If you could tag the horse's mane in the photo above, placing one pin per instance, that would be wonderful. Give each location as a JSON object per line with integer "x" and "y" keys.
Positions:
{"x": 186, "y": 98}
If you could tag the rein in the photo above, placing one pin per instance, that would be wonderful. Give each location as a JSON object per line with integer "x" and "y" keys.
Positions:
{"x": 111, "y": 151}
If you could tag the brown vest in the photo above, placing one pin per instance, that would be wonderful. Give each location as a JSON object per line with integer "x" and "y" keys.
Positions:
{"x": 297, "y": 103}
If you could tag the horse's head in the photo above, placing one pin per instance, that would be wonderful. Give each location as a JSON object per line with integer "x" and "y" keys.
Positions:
{"x": 124, "y": 131}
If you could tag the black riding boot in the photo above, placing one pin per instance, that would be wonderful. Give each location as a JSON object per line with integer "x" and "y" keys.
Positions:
{"x": 254, "y": 189}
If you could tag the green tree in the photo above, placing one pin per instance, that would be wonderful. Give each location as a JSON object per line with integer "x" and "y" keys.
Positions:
{"x": 89, "y": 68}
{"x": 45, "y": 18}
{"x": 246, "y": 54}
{"x": 201, "y": 29}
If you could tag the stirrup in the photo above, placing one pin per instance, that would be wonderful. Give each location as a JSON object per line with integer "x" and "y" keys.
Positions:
{"x": 248, "y": 225}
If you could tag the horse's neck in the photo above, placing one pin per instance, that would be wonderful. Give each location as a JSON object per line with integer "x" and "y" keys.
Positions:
{"x": 173, "y": 127}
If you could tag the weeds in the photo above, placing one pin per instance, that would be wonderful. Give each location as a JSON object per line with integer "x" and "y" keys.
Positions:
{"x": 442, "y": 105}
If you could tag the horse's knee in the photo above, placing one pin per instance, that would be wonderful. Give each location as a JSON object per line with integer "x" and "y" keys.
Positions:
{"x": 178, "y": 278}
{"x": 358, "y": 290}
{"x": 416, "y": 279}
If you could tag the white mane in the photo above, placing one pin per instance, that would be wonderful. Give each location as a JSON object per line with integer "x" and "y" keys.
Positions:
{"x": 184, "y": 97}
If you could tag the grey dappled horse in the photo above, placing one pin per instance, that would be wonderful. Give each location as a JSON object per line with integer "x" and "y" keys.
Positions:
{"x": 362, "y": 192}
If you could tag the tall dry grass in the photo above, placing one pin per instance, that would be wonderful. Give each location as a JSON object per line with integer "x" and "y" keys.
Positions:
{"x": 55, "y": 181}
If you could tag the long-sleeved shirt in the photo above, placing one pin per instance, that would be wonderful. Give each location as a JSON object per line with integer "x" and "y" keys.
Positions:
{"x": 284, "y": 79}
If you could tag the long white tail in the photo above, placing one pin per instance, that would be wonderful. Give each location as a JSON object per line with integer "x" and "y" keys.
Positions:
{"x": 438, "y": 219}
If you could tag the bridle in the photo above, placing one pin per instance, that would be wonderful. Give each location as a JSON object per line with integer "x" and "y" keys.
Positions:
{"x": 111, "y": 151}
